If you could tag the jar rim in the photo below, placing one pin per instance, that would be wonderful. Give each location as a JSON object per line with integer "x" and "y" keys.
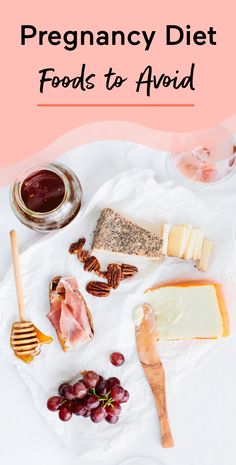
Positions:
{"x": 17, "y": 187}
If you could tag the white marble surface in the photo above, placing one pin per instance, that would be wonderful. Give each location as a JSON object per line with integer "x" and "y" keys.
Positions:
{"x": 203, "y": 412}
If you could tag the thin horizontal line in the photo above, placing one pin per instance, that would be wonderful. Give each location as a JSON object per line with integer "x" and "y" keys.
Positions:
{"x": 115, "y": 105}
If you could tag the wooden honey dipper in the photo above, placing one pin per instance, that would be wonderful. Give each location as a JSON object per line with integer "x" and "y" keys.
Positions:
{"x": 25, "y": 337}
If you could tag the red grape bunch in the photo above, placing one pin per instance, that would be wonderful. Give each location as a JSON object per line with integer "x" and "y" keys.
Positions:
{"x": 92, "y": 396}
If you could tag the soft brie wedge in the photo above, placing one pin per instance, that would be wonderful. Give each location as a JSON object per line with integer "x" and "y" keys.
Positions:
{"x": 189, "y": 310}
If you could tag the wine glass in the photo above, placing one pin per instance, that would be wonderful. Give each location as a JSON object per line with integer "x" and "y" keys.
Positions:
{"x": 203, "y": 157}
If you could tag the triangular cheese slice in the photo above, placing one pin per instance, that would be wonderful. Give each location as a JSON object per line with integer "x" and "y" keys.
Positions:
{"x": 115, "y": 233}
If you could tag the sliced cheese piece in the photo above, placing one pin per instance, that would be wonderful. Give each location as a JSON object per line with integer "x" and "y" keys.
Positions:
{"x": 197, "y": 243}
{"x": 165, "y": 231}
{"x": 176, "y": 240}
{"x": 116, "y": 234}
{"x": 205, "y": 254}
{"x": 189, "y": 311}
{"x": 200, "y": 246}
{"x": 188, "y": 232}
{"x": 188, "y": 253}
{"x": 196, "y": 247}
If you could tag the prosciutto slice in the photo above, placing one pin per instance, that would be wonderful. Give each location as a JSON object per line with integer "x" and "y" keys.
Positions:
{"x": 69, "y": 313}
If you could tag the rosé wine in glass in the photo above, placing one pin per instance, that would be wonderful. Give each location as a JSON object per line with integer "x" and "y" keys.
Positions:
{"x": 204, "y": 156}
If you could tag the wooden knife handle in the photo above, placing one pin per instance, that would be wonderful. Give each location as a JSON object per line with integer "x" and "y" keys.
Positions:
{"x": 156, "y": 378}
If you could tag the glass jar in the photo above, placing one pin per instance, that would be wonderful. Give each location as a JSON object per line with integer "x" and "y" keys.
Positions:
{"x": 46, "y": 198}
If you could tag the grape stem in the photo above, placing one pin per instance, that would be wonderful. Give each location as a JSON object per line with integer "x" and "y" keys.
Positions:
{"x": 106, "y": 400}
{"x": 109, "y": 402}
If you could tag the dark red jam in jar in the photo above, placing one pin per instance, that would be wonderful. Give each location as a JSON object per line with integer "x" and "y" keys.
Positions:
{"x": 46, "y": 198}
{"x": 43, "y": 191}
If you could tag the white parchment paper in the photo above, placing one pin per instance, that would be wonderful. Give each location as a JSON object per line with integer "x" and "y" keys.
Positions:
{"x": 137, "y": 194}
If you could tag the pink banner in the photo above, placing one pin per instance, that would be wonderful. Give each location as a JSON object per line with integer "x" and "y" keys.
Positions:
{"x": 180, "y": 53}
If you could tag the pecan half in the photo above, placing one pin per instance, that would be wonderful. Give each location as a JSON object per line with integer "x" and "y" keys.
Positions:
{"x": 91, "y": 264}
{"x": 98, "y": 289}
{"x": 76, "y": 247}
{"x": 101, "y": 274}
{"x": 114, "y": 275}
{"x": 128, "y": 271}
{"x": 83, "y": 255}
